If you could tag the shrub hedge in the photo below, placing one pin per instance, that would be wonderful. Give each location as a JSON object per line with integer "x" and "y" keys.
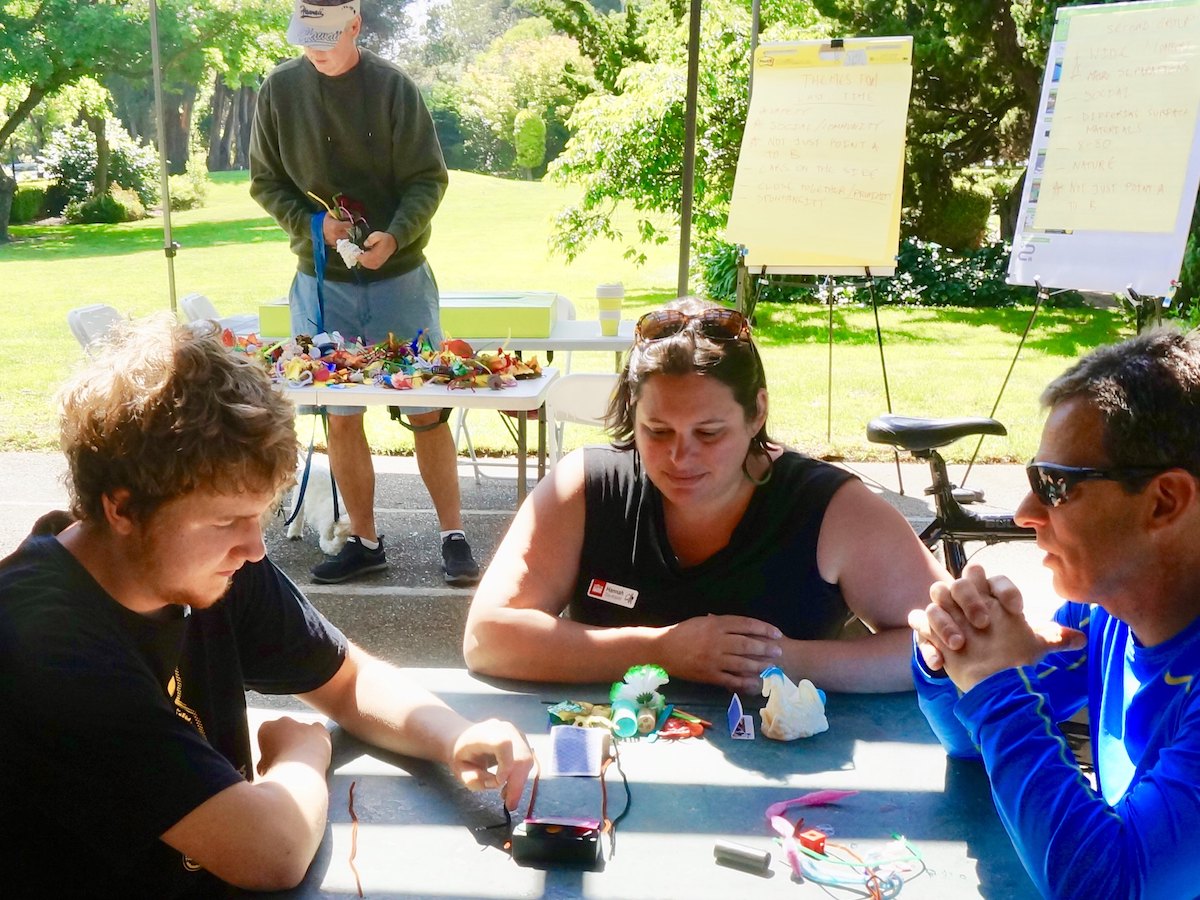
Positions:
{"x": 71, "y": 158}
{"x": 119, "y": 205}
{"x": 28, "y": 204}
{"x": 961, "y": 221}
{"x": 927, "y": 274}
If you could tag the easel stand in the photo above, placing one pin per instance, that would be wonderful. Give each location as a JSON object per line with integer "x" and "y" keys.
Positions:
{"x": 746, "y": 292}
{"x": 1147, "y": 310}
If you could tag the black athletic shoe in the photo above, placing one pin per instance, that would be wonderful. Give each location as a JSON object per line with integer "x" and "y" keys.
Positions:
{"x": 353, "y": 560}
{"x": 458, "y": 565}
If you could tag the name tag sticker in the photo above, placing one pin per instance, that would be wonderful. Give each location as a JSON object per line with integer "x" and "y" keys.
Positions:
{"x": 612, "y": 593}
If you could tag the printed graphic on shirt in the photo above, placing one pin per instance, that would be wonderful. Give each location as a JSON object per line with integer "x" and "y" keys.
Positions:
{"x": 185, "y": 712}
{"x": 1175, "y": 680}
{"x": 189, "y": 715}
{"x": 612, "y": 593}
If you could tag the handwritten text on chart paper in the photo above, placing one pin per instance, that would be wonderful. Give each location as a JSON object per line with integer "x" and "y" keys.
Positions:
{"x": 1122, "y": 121}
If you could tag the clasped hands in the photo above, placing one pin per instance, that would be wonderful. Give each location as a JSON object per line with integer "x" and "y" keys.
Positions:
{"x": 377, "y": 248}
{"x": 975, "y": 627}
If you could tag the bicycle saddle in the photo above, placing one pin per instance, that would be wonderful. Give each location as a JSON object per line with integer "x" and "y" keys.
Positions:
{"x": 914, "y": 434}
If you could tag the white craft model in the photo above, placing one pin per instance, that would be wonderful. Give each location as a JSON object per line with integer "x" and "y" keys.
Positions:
{"x": 792, "y": 711}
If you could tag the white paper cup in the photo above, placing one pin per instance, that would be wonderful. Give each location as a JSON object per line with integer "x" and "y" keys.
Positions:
{"x": 609, "y": 298}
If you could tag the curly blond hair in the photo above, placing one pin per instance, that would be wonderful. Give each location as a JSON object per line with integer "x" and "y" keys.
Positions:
{"x": 164, "y": 409}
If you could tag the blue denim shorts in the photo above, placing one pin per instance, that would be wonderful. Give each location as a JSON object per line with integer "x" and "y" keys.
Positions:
{"x": 401, "y": 306}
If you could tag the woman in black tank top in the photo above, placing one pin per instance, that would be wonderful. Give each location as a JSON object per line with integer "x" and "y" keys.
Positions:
{"x": 696, "y": 543}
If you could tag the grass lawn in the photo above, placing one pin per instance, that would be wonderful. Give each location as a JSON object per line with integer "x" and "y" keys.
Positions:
{"x": 493, "y": 234}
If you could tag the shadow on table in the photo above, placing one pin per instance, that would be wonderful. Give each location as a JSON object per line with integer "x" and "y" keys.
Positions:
{"x": 962, "y": 814}
{"x": 853, "y": 719}
{"x": 703, "y": 791}
{"x": 431, "y": 796}
{"x": 886, "y": 734}
{"x": 997, "y": 865}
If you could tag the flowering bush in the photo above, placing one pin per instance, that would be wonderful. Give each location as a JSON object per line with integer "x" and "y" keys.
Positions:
{"x": 928, "y": 274}
{"x": 70, "y": 158}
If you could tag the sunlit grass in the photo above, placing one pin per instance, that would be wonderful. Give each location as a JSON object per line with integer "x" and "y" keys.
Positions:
{"x": 494, "y": 234}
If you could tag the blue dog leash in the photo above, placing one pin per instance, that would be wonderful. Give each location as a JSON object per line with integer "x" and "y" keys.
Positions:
{"x": 317, "y": 231}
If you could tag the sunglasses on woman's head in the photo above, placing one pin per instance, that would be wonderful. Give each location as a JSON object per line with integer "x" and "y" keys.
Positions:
{"x": 1052, "y": 483}
{"x": 716, "y": 323}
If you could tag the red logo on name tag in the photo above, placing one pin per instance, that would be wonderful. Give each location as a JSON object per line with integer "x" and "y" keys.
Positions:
{"x": 612, "y": 593}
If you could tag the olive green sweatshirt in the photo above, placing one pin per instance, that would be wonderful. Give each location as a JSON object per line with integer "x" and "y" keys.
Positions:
{"x": 365, "y": 134}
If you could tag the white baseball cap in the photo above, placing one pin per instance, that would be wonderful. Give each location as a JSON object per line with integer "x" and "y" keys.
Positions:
{"x": 319, "y": 23}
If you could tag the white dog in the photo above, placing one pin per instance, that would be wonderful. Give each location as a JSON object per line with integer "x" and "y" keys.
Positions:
{"x": 317, "y": 508}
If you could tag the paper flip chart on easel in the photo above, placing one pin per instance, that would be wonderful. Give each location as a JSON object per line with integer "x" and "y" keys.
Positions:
{"x": 818, "y": 182}
{"x": 1115, "y": 160}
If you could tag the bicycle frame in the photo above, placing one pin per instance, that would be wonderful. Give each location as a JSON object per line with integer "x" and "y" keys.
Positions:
{"x": 952, "y": 525}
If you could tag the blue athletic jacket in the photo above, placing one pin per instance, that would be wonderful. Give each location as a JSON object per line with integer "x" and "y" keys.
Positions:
{"x": 1135, "y": 835}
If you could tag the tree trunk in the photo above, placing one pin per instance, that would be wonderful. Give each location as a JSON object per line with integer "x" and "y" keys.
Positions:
{"x": 96, "y": 125}
{"x": 218, "y": 136}
{"x": 133, "y": 103}
{"x": 21, "y": 113}
{"x": 177, "y": 119}
{"x": 1009, "y": 209}
{"x": 8, "y": 188}
{"x": 247, "y": 98}
{"x": 1017, "y": 66}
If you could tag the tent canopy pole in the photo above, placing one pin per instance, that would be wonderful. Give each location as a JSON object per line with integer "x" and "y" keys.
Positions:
{"x": 169, "y": 246}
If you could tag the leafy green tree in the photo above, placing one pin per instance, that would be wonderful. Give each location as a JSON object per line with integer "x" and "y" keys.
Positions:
{"x": 457, "y": 31}
{"x": 610, "y": 37}
{"x": 528, "y": 67}
{"x": 453, "y": 34}
{"x": 529, "y": 138}
{"x": 239, "y": 40}
{"x": 52, "y": 113}
{"x": 48, "y": 45}
{"x": 386, "y": 25}
{"x": 1186, "y": 302}
{"x": 977, "y": 68}
{"x": 627, "y": 143}
{"x": 74, "y": 162}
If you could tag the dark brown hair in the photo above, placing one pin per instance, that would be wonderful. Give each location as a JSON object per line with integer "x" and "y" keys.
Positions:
{"x": 1147, "y": 390}
{"x": 734, "y": 363}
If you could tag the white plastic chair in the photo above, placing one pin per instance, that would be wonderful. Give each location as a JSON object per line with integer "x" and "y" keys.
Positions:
{"x": 89, "y": 323}
{"x": 197, "y": 306}
{"x": 581, "y": 398}
{"x": 564, "y": 311}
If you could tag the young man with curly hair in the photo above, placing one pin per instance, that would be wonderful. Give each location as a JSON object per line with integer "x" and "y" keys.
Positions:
{"x": 128, "y": 640}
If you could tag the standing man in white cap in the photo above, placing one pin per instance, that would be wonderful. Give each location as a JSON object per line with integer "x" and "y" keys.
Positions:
{"x": 340, "y": 128}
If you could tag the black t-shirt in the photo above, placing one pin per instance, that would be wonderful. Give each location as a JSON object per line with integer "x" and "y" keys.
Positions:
{"x": 114, "y": 726}
{"x": 768, "y": 570}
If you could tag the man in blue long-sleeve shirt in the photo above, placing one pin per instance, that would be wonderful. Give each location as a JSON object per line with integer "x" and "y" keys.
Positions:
{"x": 1115, "y": 502}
